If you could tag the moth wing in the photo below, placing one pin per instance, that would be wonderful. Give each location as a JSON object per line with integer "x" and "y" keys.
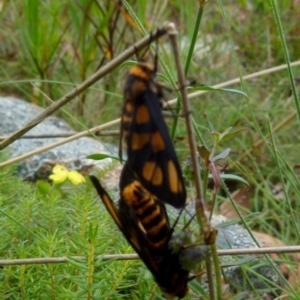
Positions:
{"x": 152, "y": 156}
{"x": 128, "y": 225}
{"x": 166, "y": 268}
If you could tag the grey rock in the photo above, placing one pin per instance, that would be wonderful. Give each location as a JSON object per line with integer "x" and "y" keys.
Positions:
{"x": 15, "y": 113}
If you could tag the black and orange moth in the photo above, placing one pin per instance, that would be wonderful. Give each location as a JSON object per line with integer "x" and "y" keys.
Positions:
{"x": 150, "y": 151}
{"x": 144, "y": 222}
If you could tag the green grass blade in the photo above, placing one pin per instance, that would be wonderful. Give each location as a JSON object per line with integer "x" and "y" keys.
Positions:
{"x": 286, "y": 55}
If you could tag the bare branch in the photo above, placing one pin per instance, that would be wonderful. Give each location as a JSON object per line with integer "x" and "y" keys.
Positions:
{"x": 54, "y": 260}
{"x": 63, "y": 135}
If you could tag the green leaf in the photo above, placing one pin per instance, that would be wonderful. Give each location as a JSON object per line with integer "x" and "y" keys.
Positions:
{"x": 43, "y": 187}
{"x": 197, "y": 287}
{"x": 216, "y": 136}
{"x": 81, "y": 264}
{"x": 163, "y": 77}
{"x": 92, "y": 232}
{"x": 227, "y": 130}
{"x": 241, "y": 296}
{"x": 203, "y": 152}
{"x": 237, "y": 221}
{"x": 239, "y": 262}
{"x": 229, "y": 135}
{"x": 126, "y": 64}
{"x": 210, "y": 125}
{"x": 31, "y": 27}
{"x": 209, "y": 88}
{"x": 232, "y": 177}
{"x": 100, "y": 156}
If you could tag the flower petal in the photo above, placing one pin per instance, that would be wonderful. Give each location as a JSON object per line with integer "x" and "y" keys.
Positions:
{"x": 59, "y": 168}
{"x": 59, "y": 177}
{"x": 75, "y": 177}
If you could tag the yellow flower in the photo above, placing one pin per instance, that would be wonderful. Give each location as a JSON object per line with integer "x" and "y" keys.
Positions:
{"x": 61, "y": 174}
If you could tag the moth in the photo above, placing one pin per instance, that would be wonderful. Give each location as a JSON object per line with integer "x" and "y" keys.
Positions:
{"x": 144, "y": 222}
{"x": 150, "y": 151}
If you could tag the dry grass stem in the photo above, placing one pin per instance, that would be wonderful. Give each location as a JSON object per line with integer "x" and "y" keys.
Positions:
{"x": 53, "y": 260}
{"x": 63, "y": 135}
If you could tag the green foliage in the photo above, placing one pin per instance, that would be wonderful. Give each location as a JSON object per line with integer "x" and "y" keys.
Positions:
{"x": 39, "y": 225}
{"x": 49, "y": 46}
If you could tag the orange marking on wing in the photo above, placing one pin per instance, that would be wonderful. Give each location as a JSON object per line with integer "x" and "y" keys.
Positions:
{"x": 112, "y": 209}
{"x": 157, "y": 142}
{"x": 139, "y": 140}
{"x": 148, "y": 170}
{"x": 157, "y": 177}
{"x": 142, "y": 115}
{"x": 173, "y": 177}
{"x": 135, "y": 241}
{"x": 180, "y": 187}
{"x": 129, "y": 107}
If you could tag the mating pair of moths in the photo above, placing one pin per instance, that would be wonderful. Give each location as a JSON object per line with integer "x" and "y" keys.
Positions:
{"x": 150, "y": 177}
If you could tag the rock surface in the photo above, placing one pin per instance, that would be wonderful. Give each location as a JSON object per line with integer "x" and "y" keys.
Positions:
{"x": 15, "y": 113}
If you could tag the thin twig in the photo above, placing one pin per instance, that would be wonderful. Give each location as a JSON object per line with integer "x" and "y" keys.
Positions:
{"x": 187, "y": 114}
{"x": 53, "y": 260}
{"x": 88, "y": 82}
{"x": 199, "y": 203}
{"x": 63, "y": 135}
{"x": 237, "y": 80}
